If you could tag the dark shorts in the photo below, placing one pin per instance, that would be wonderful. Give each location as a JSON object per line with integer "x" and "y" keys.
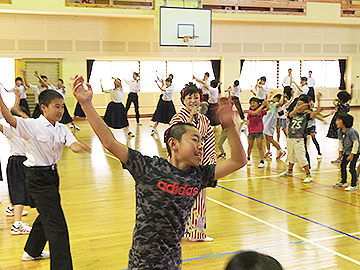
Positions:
{"x": 255, "y": 135}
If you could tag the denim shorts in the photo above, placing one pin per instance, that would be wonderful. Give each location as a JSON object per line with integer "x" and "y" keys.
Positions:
{"x": 255, "y": 135}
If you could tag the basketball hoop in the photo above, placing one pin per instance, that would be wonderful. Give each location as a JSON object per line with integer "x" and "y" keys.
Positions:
{"x": 190, "y": 41}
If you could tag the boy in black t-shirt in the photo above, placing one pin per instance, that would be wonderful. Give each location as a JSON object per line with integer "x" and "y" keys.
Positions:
{"x": 299, "y": 118}
{"x": 165, "y": 191}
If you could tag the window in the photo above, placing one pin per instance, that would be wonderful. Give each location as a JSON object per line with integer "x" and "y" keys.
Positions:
{"x": 253, "y": 70}
{"x": 149, "y": 71}
{"x": 105, "y": 70}
{"x": 283, "y": 71}
{"x": 7, "y": 79}
{"x": 326, "y": 73}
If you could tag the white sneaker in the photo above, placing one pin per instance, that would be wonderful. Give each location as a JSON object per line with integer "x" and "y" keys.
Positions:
{"x": 319, "y": 157}
{"x": 24, "y": 228}
{"x": 261, "y": 165}
{"x": 10, "y": 212}
{"x": 207, "y": 239}
{"x": 340, "y": 185}
{"x": 76, "y": 127}
{"x": 152, "y": 124}
{"x": 308, "y": 179}
{"x": 44, "y": 255}
{"x": 71, "y": 126}
{"x": 287, "y": 173}
{"x": 351, "y": 188}
{"x": 139, "y": 124}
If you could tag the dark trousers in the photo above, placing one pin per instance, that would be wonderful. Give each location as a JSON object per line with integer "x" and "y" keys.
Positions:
{"x": 1, "y": 178}
{"x": 352, "y": 168}
{"x": 287, "y": 92}
{"x": 133, "y": 98}
{"x": 238, "y": 107}
{"x": 50, "y": 225}
{"x": 311, "y": 93}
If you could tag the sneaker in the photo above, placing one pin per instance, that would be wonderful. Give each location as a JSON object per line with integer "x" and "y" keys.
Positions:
{"x": 71, "y": 126}
{"x": 44, "y": 255}
{"x": 351, "y": 188}
{"x": 10, "y": 212}
{"x": 131, "y": 135}
{"x": 282, "y": 154}
{"x": 338, "y": 160}
{"x": 222, "y": 155}
{"x": 287, "y": 173}
{"x": 206, "y": 239}
{"x": 152, "y": 124}
{"x": 261, "y": 165}
{"x": 340, "y": 185}
{"x": 268, "y": 155}
{"x": 139, "y": 124}
{"x": 308, "y": 179}
{"x": 24, "y": 228}
{"x": 319, "y": 157}
{"x": 76, "y": 127}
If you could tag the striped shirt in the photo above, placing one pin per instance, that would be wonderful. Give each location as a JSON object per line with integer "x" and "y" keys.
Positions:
{"x": 206, "y": 132}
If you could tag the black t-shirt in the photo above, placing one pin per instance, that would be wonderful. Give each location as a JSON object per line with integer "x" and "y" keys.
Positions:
{"x": 164, "y": 197}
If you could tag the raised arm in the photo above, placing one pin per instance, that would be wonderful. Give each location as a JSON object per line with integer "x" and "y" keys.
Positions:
{"x": 26, "y": 84}
{"x": 37, "y": 75}
{"x": 106, "y": 137}
{"x": 238, "y": 156}
{"x": 7, "y": 114}
{"x": 260, "y": 108}
{"x": 281, "y": 101}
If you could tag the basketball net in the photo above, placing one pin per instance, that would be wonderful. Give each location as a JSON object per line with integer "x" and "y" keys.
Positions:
{"x": 190, "y": 41}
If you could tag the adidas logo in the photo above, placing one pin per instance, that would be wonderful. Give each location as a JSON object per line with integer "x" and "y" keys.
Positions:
{"x": 175, "y": 189}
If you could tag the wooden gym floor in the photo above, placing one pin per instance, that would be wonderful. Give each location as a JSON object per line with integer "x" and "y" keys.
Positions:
{"x": 304, "y": 226}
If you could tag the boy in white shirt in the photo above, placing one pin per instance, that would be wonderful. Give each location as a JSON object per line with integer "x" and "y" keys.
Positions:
{"x": 261, "y": 89}
{"x": 45, "y": 138}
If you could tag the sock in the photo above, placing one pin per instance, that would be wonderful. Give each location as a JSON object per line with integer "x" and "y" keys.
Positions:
{"x": 317, "y": 145}
{"x": 17, "y": 224}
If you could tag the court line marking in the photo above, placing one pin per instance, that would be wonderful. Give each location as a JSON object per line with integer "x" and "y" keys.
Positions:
{"x": 272, "y": 175}
{"x": 286, "y": 231}
{"x": 290, "y": 213}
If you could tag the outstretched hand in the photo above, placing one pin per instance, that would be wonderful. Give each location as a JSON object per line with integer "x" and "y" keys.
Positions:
{"x": 225, "y": 112}
{"x": 82, "y": 92}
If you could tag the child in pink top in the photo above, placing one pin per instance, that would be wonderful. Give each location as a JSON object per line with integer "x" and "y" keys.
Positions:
{"x": 256, "y": 127}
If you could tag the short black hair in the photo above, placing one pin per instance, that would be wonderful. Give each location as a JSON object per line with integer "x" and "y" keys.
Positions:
{"x": 168, "y": 79}
{"x": 61, "y": 80}
{"x": 278, "y": 96}
{"x": 189, "y": 89}
{"x": 47, "y": 96}
{"x": 23, "y": 109}
{"x": 310, "y": 71}
{"x": 236, "y": 82}
{"x": 344, "y": 96}
{"x": 176, "y": 131}
{"x": 263, "y": 78}
{"x": 347, "y": 119}
{"x": 171, "y": 76}
{"x": 255, "y": 99}
{"x": 290, "y": 69}
{"x": 43, "y": 77}
{"x": 18, "y": 79}
{"x": 304, "y": 79}
{"x": 252, "y": 260}
{"x": 136, "y": 74}
{"x": 214, "y": 83}
{"x": 304, "y": 98}
{"x": 207, "y": 74}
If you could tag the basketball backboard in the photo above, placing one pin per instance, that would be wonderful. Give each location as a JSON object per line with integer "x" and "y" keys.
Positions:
{"x": 177, "y": 23}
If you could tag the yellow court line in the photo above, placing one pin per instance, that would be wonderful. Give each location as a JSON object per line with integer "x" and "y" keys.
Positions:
{"x": 335, "y": 236}
{"x": 285, "y": 231}
{"x": 271, "y": 176}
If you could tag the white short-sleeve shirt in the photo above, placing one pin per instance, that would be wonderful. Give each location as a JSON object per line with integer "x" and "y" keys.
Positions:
{"x": 37, "y": 89}
{"x": 134, "y": 86}
{"x": 17, "y": 144}
{"x": 116, "y": 94}
{"x": 311, "y": 82}
{"x": 168, "y": 93}
{"x": 261, "y": 92}
{"x": 44, "y": 142}
{"x": 235, "y": 91}
{"x": 21, "y": 89}
{"x": 213, "y": 95}
{"x": 287, "y": 81}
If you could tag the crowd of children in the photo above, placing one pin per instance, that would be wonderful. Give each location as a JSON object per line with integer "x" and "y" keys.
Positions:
{"x": 190, "y": 141}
